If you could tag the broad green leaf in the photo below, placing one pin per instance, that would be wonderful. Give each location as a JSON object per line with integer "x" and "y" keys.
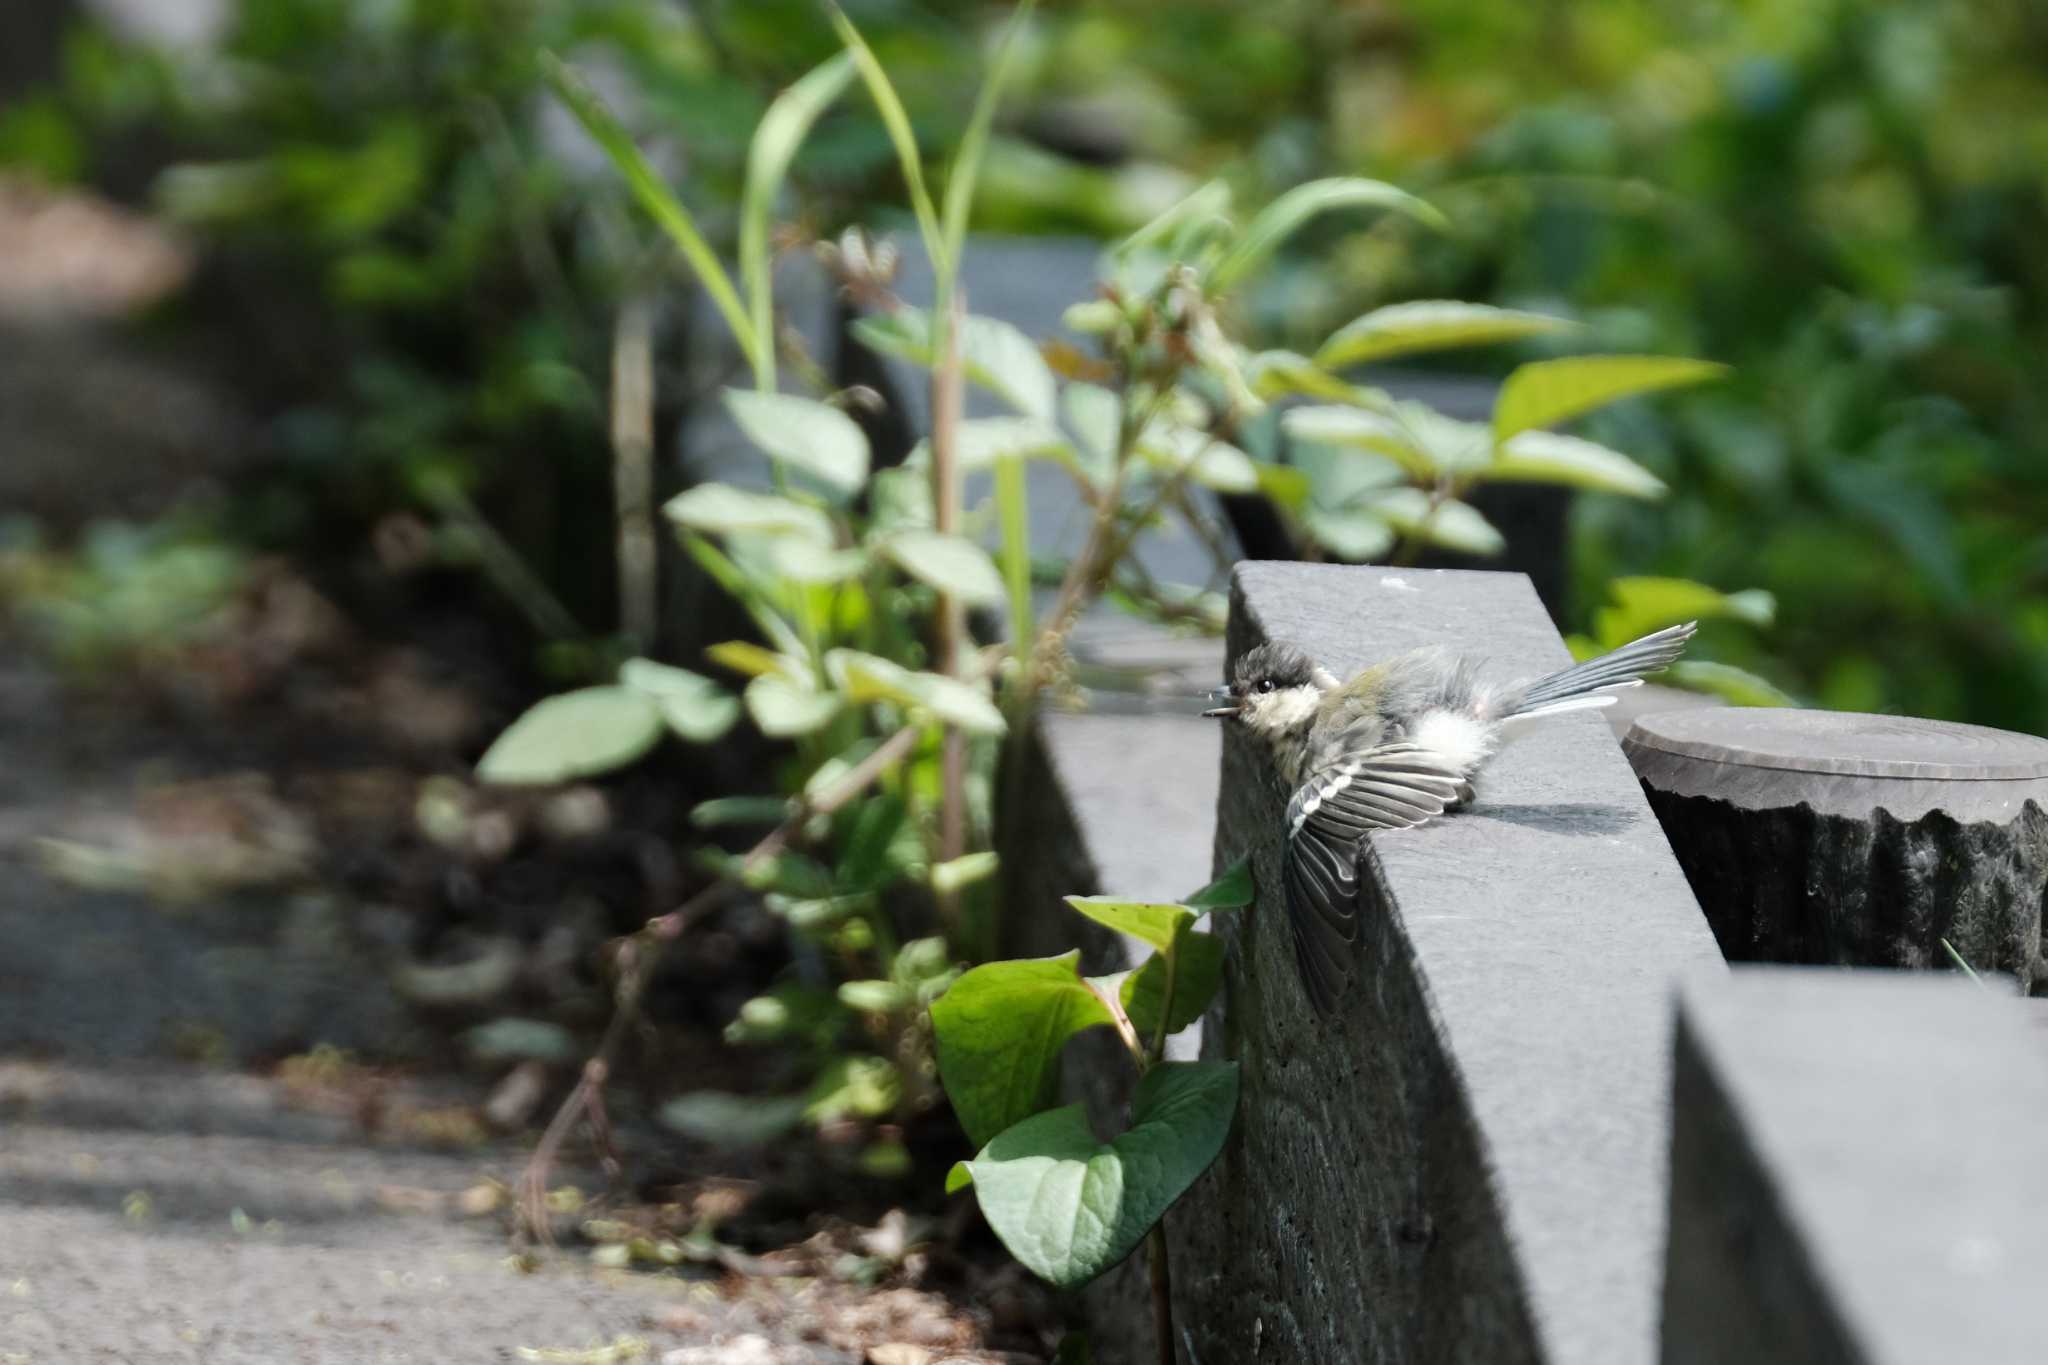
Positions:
{"x": 1452, "y": 524}
{"x": 1737, "y": 686}
{"x": 744, "y": 656}
{"x": 900, "y": 500}
{"x": 999, "y": 1031}
{"x": 1548, "y": 457}
{"x": 1349, "y": 428}
{"x": 1640, "y": 605}
{"x": 963, "y": 871}
{"x": 1285, "y": 216}
{"x": 1546, "y": 392}
{"x": 1197, "y": 972}
{"x": 1070, "y": 1207}
{"x": 1202, "y": 458}
{"x": 804, "y": 434}
{"x": 802, "y": 560}
{"x": 1154, "y": 922}
{"x": 870, "y": 841}
{"x": 981, "y": 441}
{"x": 901, "y": 135}
{"x": 952, "y": 564}
{"x": 868, "y": 678}
{"x": 1231, "y": 891}
{"x": 1284, "y": 484}
{"x": 1429, "y": 325}
{"x": 735, "y": 1121}
{"x": 874, "y": 997}
{"x": 1283, "y": 374}
{"x": 666, "y": 210}
{"x": 721, "y": 509}
{"x": 776, "y": 138}
{"x": 577, "y": 734}
{"x": 782, "y": 708}
{"x": 854, "y": 1087}
{"x": 1092, "y": 317}
{"x": 993, "y": 354}
{"x": 695, "y": 707}
{"x": 1352, "y": 533}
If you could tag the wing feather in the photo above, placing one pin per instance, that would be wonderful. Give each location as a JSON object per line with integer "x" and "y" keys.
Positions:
{"x": 1391, "y": 786}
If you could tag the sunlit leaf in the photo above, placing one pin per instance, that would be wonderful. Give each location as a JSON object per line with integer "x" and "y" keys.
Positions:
{"x": 868, "y": 678}
{"x": 695, "y": 707}
{"x": 1429, "y": 325}
{"x": 854, "y": 1087}
{"x": 1152, "y": 921}
{"x": 802, "y": 560}
{"x": 1450, "y": 523}
{"x": 993, "y": 354}
{"x": 979, "y": 442}
{"x": 1735, "y": 685}
{"x": 950, "y": 563}
{"x": 1639, "y": 605}
{"x": 782, "y": 708}
{"x": 1284, "y": 484}
{"x": 806, "y": 435}
{"x": 1197, "y": 972}
{"x": 1201, "y": 457}
{"x": 1207, "y": 207}
{"x": 999, "y": 1031}
{"x": 720, "y": 509}
{"x": 744, "y": 656}
{"x": 963, "y": 871}
{"x": 1546, "y": 392}
{"x": 780, "y": 132}
{"x": 901, "y": 135}
{"x": 577, "y": 734}
{"x": 874, "y": 997}
{"x": 1549, "y": 457}
{"x": 1286, "y": 215}
{"x": 1283, "y": 374}
{"x": 1356, "y": 534}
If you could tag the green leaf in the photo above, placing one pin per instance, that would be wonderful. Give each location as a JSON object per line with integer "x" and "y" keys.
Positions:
{"x": 1231, "y": 891}
{"x": 1095, "y": 416}
{"x": 1284, "y": 484}
{"x": 993, "y": 354}
{"x": 901, "y": 136}
{"x": 1283, "y": 374}
{"x": 1349, "y": 428}
{"x": 999, "y": 1031}
{"x": 721, "y": 811}
{"x": 974, "y": 141}
{"x": 776, "y": 138}
{"x": 666, "y": 210}
{"x": 733, "y": 1121}
{"x": 1429, "y": 325}
{"x": 1069, "y": 1207}
{"x": 1197, "y": 972}
{"x": 761, "y": 599}
{"x": 1352, "y": 533}
{"x": 1546, "y": 392}
{"x": 1202, "y": 458}
{"x": 1285, "y": 216}
{"x": 721, "y": 509}
{"x": 1640, "y": 605}
{"x": 696, "y": 708}
{"x": 854, "y": 1087}
{"x": 868, "y": 678}
{"x": 1207, "y": 204}
{"x": 963, "y": 871}
{"x": 813, "y": 437}
{"x": 1154, "y": 922}
{"x": 981, "y": 441}
{"x": 782, "y": 708}
{"x": 1547, "y": 457}
{"x": 744, "y": 656}
{"x": 1452, "y": 524}
{"x": 1736, "y": 686}
{"x": 874, "y": 997}
{"x": 577, "y": 734}
{"x": 950, "y": 563}
{"x": 805, "y": 561}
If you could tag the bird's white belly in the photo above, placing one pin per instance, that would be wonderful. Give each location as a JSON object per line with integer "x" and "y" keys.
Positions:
{"x": 1462, "y": 742}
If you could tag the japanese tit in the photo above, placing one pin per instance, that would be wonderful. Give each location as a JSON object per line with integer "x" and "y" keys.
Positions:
{"x": 1393, "y": 747}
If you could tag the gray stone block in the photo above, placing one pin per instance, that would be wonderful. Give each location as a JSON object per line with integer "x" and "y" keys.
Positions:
{"x": 1856, "y": 1172}
{"x": 1834, "y": 838}
{"x": 1467, "y": 1163}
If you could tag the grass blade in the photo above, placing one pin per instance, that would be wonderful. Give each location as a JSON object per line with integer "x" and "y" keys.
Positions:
{"x": 897, "y": 121}
{"x": 974, "y": 142}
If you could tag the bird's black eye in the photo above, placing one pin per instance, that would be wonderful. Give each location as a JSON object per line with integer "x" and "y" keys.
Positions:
{"x": 1265, "y": 684}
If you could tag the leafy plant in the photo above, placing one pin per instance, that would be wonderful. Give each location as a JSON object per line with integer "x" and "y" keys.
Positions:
{"x": 1067, "y": 1205}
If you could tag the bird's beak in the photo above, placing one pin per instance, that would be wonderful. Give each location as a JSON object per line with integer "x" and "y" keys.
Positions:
{"x": 1231, "y": 705}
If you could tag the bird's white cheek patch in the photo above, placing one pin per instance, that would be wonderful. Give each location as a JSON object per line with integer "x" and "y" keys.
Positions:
{"x": 1462, "y": 741}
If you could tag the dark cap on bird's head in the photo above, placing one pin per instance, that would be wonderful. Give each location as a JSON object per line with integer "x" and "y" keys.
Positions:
{"x": 1270, "y": 667}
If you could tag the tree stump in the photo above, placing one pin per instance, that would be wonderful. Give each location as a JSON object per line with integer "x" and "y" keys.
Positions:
{"x": 1854, "y": 840}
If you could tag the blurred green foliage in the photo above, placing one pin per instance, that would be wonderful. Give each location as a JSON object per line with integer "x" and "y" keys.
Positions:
{"x": 1840, "y": 199}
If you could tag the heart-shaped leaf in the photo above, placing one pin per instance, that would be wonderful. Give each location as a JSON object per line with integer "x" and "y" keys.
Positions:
{"x": 953, "y": 564}
{"x": 1156, "y": 923}
{"x": 1231, "y": 891}
{"x": 1196, "y": 972}
{"x": 1070, "y": 1207}
{"x": 577, "y": 734}
{"x": 1000, "y": 1029}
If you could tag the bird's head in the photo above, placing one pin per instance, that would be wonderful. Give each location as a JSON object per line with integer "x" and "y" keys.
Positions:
{"x": 1275, "y": 689}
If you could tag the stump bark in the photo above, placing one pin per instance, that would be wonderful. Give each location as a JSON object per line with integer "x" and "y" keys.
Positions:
{"x": 1854, "y": 840}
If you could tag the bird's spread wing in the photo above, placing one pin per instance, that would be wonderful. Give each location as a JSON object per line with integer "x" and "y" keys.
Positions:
{"x": 1391, "y": 786}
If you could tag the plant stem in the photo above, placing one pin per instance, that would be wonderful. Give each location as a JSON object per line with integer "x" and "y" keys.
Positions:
{"x": 947, "y": 400}
{"x": 1162, "y": 1290}
{"x": 633, "y": 467}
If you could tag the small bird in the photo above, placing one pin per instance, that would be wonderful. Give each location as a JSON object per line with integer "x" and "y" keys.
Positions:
{"x": 1395, "y": 746}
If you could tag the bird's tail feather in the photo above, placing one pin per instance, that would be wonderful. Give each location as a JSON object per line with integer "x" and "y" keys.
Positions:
{"x": 1585, "y": 684}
